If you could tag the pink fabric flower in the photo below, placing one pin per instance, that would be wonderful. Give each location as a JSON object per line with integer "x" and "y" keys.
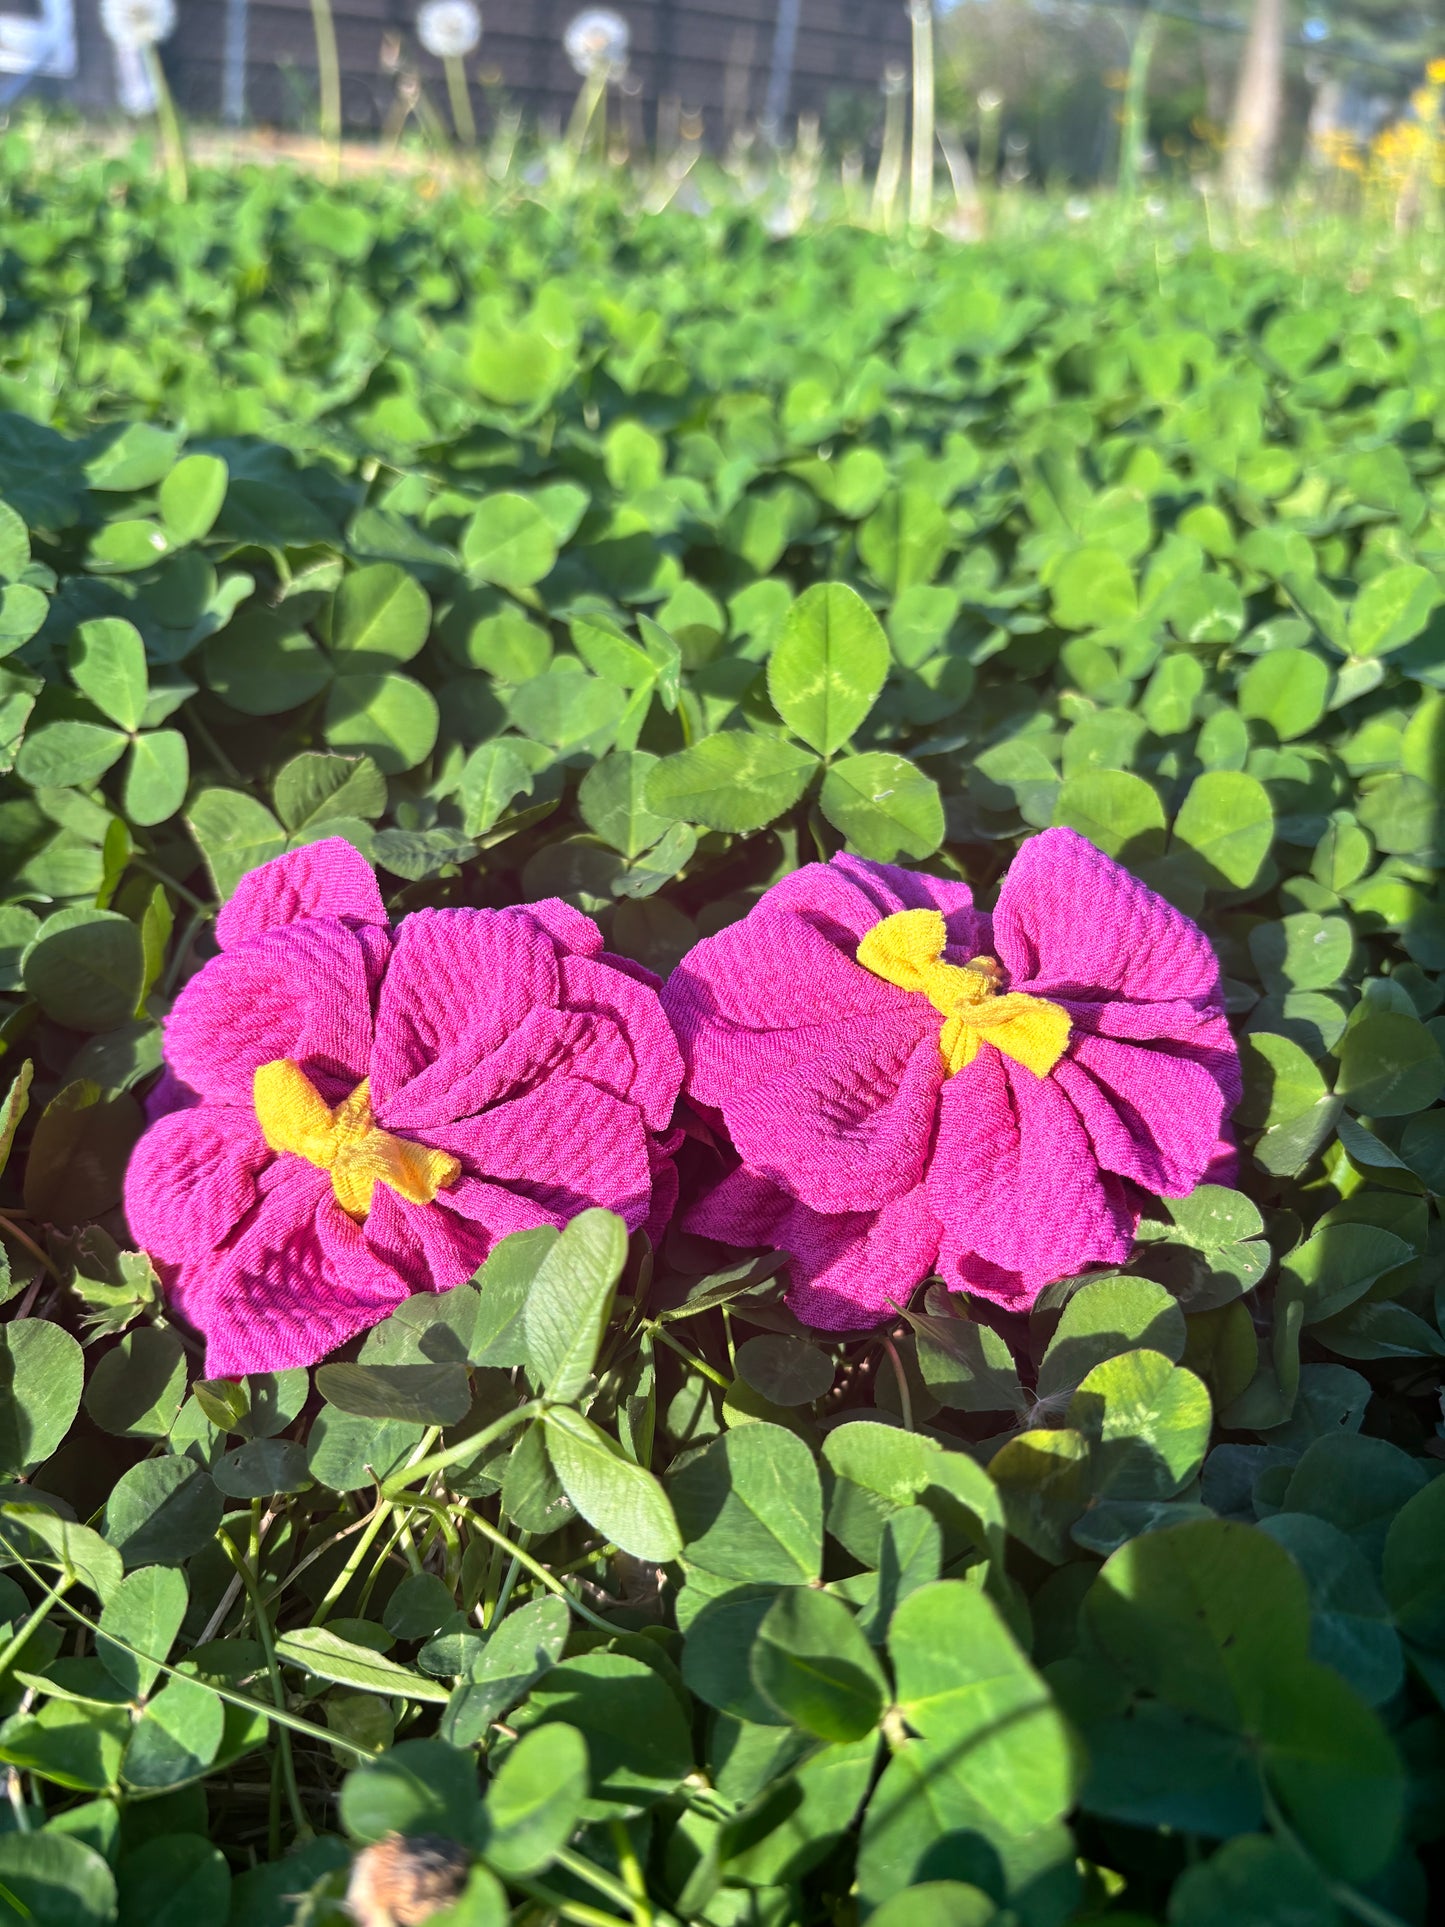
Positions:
{"x": 871, "y": 1161}
{"x": 538, "y": 1074}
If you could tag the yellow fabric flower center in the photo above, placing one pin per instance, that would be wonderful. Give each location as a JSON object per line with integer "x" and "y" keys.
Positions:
{"x": 347, "y": 1141}
{"x": 906, "y": 949}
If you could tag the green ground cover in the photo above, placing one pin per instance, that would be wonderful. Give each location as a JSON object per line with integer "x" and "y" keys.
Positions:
{"x": 546, "y": 549}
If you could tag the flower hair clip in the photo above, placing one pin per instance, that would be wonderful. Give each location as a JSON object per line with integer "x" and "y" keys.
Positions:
{"x": 910, "y": 1085}
{"x": 354, "y": 1112}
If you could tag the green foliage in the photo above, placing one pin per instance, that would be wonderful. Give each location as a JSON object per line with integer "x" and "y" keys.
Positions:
{"x": 539, "y": 554}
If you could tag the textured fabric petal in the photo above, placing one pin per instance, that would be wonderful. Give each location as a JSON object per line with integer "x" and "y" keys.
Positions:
{"x": 1016, "y": 1184}
{"x": 573, "y": 933}
{"x": 438, "y": 1246}
{"x": 665, "y": 1189}
{"x": 764, "y": 994}
{"x": 847, "y": 896}
{"x": 630, "y": 967}
{"x": 546, "y": 1043}
{"x": 459, "y": 983}
{"x": 191, "y": 1179}
{"x": 566, "y": 1145}
{"x": 1223, "y": 1165}
{"x": 1151, "y": 1115}
{"x": 1070, "y": 921}
{"x": 849, "y": 1126}
{"x": 637, "y": 1019}
{"x": 298, "y": 1281}
{"x": 302, "y": 992}
{"x": 326, "y": 879}
{"x": 848, "y": 1270}
{"x": 168, "y": 1094}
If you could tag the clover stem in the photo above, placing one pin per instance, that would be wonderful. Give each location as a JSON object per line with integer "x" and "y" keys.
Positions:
{"x": 602, "y": 1881}
{"x": 349, "y": 1571}
{"x": 407, "y": 1541}
{"x": 186, "y": 896}
{"x": 278, "y": 1716}
{"x": 302, "y": 1823}
{"x": 1136, "y": 109}
{"x": 1358, "y": 1904}
{"x": 441, "y": 1526}
{"x": 904, "y": 1397}
{"x": 575, "y": 1910}
{"x": 504, "y": 1591}
{"x": 12, "y": 1230}
{"x": 52, "y": 1598}
{"x": 591, "y": 97}
{"x": 363, "y": 1603}
{"x": 208, "y": 741}
{"x": 423, "y": 1469}
{"x": 633, "y": 1878}
{"x": 689, "y": 1358}
{"x": 481, "y": 1523}
{"x": 296, "y": 1571}
{"x": 15, "y": 1794}
{"x": 182, "y": 950}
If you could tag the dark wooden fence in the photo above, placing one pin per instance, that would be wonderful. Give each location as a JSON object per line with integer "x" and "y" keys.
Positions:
{"x": 709, "y": 59}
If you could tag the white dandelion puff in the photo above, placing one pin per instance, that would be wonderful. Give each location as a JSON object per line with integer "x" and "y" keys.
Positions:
{"x": 596, "y": 42}
{"x": 137, "y": 23}
{"x": 449, "y": 29}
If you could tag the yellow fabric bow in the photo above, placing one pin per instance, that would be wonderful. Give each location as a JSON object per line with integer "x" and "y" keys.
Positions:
{"x": 906, "y": 949}
{"x": 347, "y": 1141}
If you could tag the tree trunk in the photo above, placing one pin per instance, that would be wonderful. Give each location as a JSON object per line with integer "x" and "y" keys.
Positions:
{"x": 1258, "y": 106}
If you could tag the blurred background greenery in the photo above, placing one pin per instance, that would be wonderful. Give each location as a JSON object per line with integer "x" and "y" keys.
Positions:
{"x": 1066, "y": 95}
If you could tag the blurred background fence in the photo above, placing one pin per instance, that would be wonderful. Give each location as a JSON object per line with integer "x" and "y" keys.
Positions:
{"x": 1040, "y": 92}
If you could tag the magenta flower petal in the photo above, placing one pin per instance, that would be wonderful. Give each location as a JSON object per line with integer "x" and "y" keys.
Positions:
{"x": 546, "y": 1044}
{"x": 554, "y": 1097}
{"x": 1151, "y": 1116}
{"x": 302, "y": 992}
{"x": 459, "y": 983}
{"x": 192, "y": 1177}
{"x": 850, "y": 1126}
{"x": 849, "y": 895}
{"x": 1071, "y": 922}
{"x": 665, "y": 1187}
{"x": 774, "y": 990}
{"x": 168, "y": 1094}
{"x": 566, "y": 1145}
{"x": 1016, "y": 1183}
{"x": 326, "y": 879}
{"x": 635, "y": 1019}
{"x": 573, "y": 933}
{"x": 830, "y": 1082}
{"x": 762, "y": 995}
{"x": 446, "y": 1242}
{"x": 298, "y": 1281}
{"x": 848, "y": 1270}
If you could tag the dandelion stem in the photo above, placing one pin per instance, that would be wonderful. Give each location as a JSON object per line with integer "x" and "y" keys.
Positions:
{"x": 169, "y": 126}
{"x": 589, "y": 99}
{"x": 1136, "y": 104}
{"x": 920, "y": 181}
{"x": 890, "y": 156}
{"x": 328, "y": 70}
{"x": 461, "y": 101}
